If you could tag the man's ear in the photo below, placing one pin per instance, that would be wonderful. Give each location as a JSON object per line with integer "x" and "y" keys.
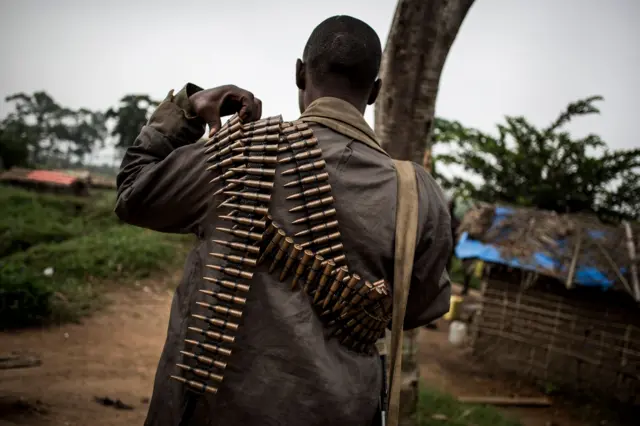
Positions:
{"x": 300, "y": 74}
{"x": 375, "y": 91}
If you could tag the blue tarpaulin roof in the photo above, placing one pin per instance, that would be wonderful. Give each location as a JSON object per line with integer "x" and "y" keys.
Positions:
{"x": 585, "y": 275}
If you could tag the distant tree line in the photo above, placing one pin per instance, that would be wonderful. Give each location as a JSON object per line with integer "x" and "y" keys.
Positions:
{"x": 522, "y": 165}
{"x": 39, "y": 132}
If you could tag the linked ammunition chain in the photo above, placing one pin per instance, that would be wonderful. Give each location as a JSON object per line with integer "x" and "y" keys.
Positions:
{"x": 245, "y": 157}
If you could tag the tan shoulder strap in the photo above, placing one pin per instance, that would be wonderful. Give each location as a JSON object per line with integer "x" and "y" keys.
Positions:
{"x": 405, "y": 245}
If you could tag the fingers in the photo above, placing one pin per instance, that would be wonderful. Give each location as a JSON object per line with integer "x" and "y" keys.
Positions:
{"x": 214, "y": 126}
{"x": 233, "y": 100}
{"x": 257, "y": 109}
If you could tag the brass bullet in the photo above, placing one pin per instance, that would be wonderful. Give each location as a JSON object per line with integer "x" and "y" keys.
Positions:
{"x": 315, "y": 216}
{"x": 235, "y": 259}
{"x": 356, "y": 297}
{"x": 307, "y": 256}
{"x": 340, "y": 259}
{"x": 247, "y": 221}
{"x": 322, "y": 240}
{"x": 305, "y": 167}
{"x": 205, "y": 360}
{"x": 229, "y": 284}
{"x": 200, "y": 373}
{"x": 256, "y": 171}
{"x": 229, "y": 128}
{"x": 346, "y": 340}
{"x": 313, "y": 204}
{"x": 320, "y": 177}
{"x": 263, "y": 123}
{"x": 335, "y": 285}
{"x": 229, "y": 173}
{"x": 232, "y": 272}
{"x": 221, "y": 309}
{"x": 226, "y": 162}
{"x": 242, "y": 234}
{"x": 225, "y": 297}
{"x": 225, "y": 137}
{"x": 314, "y": 271}
{"x": 307, "y": 133}
{"x": 350, "y": 287}
{"x": 333, "y": 249}
{"x": 229, "y": 186}
{"x": 257, "y": 148}
{"x": 271, "y": 228}
{"x": 326, "y": 274}
{"x": 318, "y": 228}
{"x": 273, "y": 244}
{"x": 268, "y": 129}
{"x": 247, "y": 208}
{"x": 221, "y": 139}
{"x": 209, "y": 347}
{"x": 310, "y": 192}
{"x": 228, "y": 202}
{"x": 217, "y": 322}
{"x": 264, "y": 138}
{"x": 312, "y": 153}
{"x": 282, "y": 251}
{"x": 213, "y": 335}
{"x": 295, "y": 126}
{"x": 195, "y": 385}
{"x": 252, "y": 183}
{"x": 253, "y": 196}
{"x": 307, "y": 143}
{"x": 292, "y": 257}
{"x": 225, "y": 151}
{"x": 238, "y": 246}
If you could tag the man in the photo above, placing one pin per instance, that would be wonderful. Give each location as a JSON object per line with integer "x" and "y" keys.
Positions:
{"x": 287, "y": 356}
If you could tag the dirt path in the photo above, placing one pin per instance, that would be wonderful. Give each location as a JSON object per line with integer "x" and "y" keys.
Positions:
{"x": 114, "y": 354}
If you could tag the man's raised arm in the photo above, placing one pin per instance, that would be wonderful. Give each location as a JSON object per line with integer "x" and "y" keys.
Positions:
{"x": 430, "y": 289}
{"x": 163, "y": 183}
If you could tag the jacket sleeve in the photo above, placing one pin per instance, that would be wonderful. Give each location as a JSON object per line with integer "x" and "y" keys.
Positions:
{"x": 430, "y": 290}
{"x": 162, "y": 182}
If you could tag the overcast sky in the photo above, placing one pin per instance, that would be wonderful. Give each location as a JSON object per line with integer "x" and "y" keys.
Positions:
{"x": 511, "y": 57}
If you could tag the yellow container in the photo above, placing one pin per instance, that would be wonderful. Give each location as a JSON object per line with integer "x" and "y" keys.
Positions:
{"x": 454, "y": 308}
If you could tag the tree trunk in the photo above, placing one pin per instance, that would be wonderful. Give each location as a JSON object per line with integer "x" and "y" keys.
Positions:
{"x": 420, "y": 38}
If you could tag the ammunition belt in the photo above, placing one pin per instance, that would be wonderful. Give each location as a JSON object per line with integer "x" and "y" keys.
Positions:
{"x": 356, "y": 311}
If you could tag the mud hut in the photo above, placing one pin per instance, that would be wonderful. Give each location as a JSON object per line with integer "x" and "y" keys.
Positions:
{"x": 560, "y": 299}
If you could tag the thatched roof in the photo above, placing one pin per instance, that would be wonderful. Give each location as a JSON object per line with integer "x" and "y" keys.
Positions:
{"x": 566, "y": 247}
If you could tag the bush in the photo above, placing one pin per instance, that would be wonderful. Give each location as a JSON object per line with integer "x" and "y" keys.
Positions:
{"x": 28, "y": 297}
{"x": 83, "y": 242}
{"x": 28, "y": 218}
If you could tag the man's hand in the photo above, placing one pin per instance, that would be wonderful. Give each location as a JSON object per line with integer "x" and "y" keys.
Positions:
{"x": 211, "y": 104}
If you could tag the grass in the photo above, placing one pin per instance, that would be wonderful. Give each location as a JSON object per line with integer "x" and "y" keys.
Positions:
{"x": 85, "y": 245}
{"x": 439, "y": 409}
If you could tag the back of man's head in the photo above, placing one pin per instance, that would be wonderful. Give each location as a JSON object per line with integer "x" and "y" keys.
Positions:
{"x": 343, "y": 51}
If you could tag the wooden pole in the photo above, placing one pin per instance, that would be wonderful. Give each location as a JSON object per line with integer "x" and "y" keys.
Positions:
{"x": 632, "y": 260}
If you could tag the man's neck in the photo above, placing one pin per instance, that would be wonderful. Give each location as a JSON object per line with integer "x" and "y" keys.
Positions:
{"x": 357, "y": 102}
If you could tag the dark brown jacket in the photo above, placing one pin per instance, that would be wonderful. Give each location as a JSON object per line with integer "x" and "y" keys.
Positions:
{"x": 284, "y": 369}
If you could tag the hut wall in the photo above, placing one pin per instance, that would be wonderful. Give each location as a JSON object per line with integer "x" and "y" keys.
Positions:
{"x": 585, "y": 340}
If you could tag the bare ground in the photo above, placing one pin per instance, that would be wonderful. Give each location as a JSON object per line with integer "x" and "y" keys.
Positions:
{"x": 114, "y": 354}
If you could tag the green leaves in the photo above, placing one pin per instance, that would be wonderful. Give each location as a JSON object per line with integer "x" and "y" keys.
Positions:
{"x": 40, "y": 131}
{"x": 544, "y": 168}
{"x": 130, "y": 116}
